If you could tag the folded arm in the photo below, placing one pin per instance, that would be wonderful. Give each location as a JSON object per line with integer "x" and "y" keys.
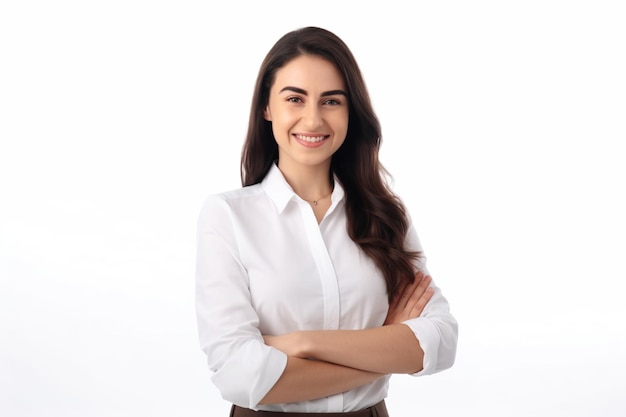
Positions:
{"x": 392, "y": 348}
{"x": 305, "y": 379}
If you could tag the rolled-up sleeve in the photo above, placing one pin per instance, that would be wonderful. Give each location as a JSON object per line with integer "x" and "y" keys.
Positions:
{"x": 436, "y": 329}
{"x": 244, "y": 368}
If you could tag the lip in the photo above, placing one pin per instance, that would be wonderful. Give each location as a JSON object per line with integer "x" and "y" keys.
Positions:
{"x": 314, "y": 140}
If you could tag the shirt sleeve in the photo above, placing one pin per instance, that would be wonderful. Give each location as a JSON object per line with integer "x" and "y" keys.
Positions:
{"x": 435, "y": 329}
{"x": 244, "y": 368}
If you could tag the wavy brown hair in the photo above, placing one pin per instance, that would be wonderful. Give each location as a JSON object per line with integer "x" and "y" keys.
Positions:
{"x": 377, "y": 219}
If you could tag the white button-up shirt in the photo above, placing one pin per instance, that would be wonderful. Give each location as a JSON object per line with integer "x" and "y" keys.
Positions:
{"x": 265, "y": 266}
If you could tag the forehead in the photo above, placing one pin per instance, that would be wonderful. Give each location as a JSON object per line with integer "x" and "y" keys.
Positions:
{"x": 309, "y": 72}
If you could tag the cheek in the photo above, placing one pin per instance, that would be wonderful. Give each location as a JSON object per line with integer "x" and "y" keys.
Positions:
{"x": 280, "y": 129}
{"x": 341, "y": 124}
{"x": 282, "y": 118}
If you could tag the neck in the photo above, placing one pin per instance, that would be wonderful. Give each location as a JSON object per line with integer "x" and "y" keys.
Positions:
{"x": 309, "y": 182}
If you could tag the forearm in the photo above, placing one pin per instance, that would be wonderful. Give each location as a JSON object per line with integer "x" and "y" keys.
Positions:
{"x": 305, "y": 379}
{"x": 387, "y": 349}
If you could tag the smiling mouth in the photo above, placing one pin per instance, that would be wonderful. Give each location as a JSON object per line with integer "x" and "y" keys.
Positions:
{"x": 311, "y": 139}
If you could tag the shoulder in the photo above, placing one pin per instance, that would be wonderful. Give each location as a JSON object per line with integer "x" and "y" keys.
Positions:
{"x": 218, "y": 208}
{"x": 227, "y": 199}
{"x": 232, "y": 196}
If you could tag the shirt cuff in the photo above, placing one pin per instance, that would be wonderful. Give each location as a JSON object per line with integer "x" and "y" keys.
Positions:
{"x": 429, "y": 338}
{"x": 249, "y": 375}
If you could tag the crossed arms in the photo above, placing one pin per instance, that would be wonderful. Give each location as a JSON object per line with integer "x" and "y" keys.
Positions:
{"x": 328, "y": 362}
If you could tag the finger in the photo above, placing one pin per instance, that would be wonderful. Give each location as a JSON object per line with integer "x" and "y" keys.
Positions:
{"x": 419, "y": 290}
{"x": 409, "y": 289}
{"x": 419, "y": 306}
{"x": 419, "y": 287}
{"x": 424, "y": 282}
{"x": 419, "y": 276}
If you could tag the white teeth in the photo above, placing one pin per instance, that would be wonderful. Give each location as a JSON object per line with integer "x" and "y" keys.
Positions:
{"x": 311, "y": 139}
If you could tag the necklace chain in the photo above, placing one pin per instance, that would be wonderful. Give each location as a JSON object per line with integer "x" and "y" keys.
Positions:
{"x": 314, "y": 202}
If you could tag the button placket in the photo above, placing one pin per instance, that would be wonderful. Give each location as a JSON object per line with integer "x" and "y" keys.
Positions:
{"x": 328, "y": 280}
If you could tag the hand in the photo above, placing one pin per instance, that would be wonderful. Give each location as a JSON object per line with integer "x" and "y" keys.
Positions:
{"x": 290, "y": 343}
{"x": 410, "y": 302}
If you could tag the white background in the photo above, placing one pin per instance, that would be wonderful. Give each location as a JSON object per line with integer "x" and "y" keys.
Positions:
{"x": 503, "y": 127}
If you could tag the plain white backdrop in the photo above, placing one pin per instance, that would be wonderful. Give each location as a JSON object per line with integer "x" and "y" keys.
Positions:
{"x": 503, "y": 126}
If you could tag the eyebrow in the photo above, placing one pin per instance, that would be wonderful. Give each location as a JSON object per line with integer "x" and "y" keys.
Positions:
{"x": 305, "y": 93}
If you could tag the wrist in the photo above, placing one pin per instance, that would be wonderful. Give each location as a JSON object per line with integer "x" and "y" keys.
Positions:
{"x": 305, "y": 343}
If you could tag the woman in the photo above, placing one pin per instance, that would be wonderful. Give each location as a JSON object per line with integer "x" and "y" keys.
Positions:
{"x": 311, "y": 284}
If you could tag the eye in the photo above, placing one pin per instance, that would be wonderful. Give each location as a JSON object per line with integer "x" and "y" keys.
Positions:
{"x": 293, "y": 99}
{"x": 332, "y": 102}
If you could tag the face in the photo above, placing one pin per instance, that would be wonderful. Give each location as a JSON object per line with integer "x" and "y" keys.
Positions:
{"x": 308, "y": 108}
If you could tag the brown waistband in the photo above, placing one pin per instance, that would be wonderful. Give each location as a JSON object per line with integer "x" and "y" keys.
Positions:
{"x": 378, "y": 410}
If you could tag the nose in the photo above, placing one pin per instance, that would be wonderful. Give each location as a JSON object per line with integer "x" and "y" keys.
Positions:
{"x": 312, "y": 117}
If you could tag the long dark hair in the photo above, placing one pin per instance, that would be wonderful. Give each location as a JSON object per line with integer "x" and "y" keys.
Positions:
{"x": 377, "y": 219}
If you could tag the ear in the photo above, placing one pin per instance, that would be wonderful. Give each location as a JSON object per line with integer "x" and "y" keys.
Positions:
{"x": 266, "y": 113}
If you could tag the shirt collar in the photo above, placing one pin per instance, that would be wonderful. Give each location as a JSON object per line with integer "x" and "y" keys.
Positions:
{"x": 280, "y": 192}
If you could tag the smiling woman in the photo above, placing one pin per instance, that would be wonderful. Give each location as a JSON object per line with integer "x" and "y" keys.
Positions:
{"x": 308, "y": 111}
{"x": 312, "y": 287}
